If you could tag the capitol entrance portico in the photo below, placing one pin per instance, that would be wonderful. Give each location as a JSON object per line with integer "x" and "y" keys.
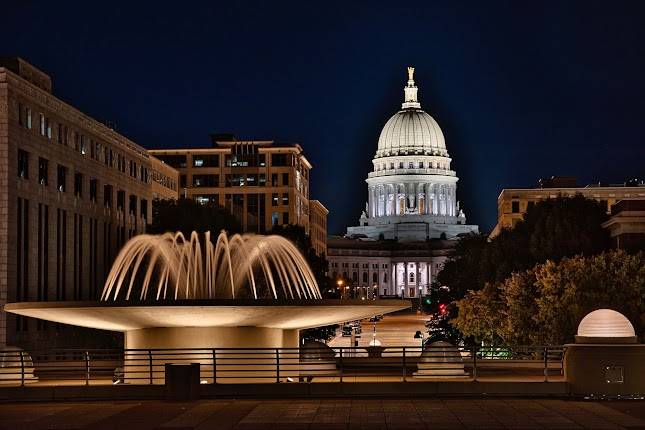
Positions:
{"x": 411, "y": 279}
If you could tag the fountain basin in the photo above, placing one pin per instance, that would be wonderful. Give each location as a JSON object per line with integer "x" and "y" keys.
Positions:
{"x": 209, "y": 324}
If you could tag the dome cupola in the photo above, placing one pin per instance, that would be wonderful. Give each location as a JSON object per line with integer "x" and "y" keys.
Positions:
{"x": 411, "y": 130}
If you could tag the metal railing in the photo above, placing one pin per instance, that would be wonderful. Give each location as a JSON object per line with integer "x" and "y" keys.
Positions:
{"x": 278, "y": 365}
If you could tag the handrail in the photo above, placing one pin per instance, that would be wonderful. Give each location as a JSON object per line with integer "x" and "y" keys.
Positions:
{"x": 276, "y": 365}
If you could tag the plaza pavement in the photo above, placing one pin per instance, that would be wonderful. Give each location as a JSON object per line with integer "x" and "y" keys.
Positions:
{"x": 372, "y": 414}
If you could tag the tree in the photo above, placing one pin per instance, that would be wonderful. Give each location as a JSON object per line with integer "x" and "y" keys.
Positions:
{"x": 317, "y": 263}
{"x": 186, "y": 215}
{"x": 545, "y": 304}
{"x": 551, "y": 230}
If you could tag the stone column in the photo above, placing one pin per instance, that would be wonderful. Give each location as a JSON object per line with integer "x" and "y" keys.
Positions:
{"x": 418, "y": 275}
{"x": 428, "y": 281}
{"x": 405, "y": 273}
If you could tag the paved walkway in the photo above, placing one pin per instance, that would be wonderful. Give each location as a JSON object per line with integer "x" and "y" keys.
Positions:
{"x": 372, "y": 414}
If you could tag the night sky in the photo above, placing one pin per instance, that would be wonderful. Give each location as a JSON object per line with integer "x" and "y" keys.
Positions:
{"x": 522, "y": 90}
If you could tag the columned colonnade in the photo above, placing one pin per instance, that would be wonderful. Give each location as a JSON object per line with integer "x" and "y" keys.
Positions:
{"x": 416, "y": 198}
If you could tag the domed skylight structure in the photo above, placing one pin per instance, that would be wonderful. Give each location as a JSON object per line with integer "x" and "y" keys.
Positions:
{"x": 605, "y": 326}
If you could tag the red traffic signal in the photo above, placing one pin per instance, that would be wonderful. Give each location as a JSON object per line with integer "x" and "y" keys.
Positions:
{"x": 442, "y": 309}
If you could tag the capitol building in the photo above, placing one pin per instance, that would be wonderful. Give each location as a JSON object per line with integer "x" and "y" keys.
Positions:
{"x": 412, "y": 216}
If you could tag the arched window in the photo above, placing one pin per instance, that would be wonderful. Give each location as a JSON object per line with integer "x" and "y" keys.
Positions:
{"x": 375, "y": 277}
{"x": 354, "y": 276}
{"x": 365, "y": 277}
{"x": 385, "y": 278}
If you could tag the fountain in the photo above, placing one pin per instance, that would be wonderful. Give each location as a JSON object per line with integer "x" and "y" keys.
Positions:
{"x": 244, "y": 291}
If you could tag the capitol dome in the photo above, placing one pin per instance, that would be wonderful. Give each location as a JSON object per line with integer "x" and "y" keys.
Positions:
{"x": 411, "y": 130}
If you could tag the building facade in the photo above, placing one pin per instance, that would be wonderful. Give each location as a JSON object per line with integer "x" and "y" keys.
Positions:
{"x": 318, "y": 226}
{"x": 626, "y": 225}
{"x": 262, "y": 183}
{"x": 412, "y": 216}
{"x": 165, "y": 180}
{"x": 513, "y": 203}
{"x": 73, "y": 192}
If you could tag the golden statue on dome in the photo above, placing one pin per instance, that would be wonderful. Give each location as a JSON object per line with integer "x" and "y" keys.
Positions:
{"x": 410, "y": 73}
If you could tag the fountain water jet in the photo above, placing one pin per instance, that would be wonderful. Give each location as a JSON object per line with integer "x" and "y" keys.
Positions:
{"x": 219, "y": 272}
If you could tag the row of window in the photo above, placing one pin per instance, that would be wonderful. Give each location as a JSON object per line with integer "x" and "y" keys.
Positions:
{"x": 79, "y": 184}
{"x": 356, "y": 265}
{"x": 82, "y": 144}
{"x": 412, "y": 165}
{"x": 234, "y": 180}
{"x": 164, "y": 180}
{"x": 233, "y": 160}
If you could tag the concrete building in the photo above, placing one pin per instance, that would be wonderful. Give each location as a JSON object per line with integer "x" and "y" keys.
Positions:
{"x": 412, "y": 215}
{"x": 513, "y": 203}
{"x": 385, "y": 269}
{"x": 627, "y": 225}
{"x": 72, "y": 192}
{"x": 263, "y": 183}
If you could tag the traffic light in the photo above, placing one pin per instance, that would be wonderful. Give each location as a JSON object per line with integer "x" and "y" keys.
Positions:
{"x": 442, "y": 308}
{"x": 428, "y": 301}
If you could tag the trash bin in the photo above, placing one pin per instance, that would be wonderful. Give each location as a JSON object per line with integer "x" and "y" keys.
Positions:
{"x": 182, "y": 381}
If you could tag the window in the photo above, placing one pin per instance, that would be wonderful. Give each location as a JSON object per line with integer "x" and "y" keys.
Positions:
{"x": 144, "y": 209}
{"x": 274, "y": 199}
{"x": 42, "y": 171}
{"x": 411, "y": 277}
{"x": 28, "y": 112}
{"x": 420, "y": 164}
{"x": 82, "y": 148}
{"x": 285, "y": 218}
{"x": 385, "y": 278}
{"x": 392, "y": 165}
{"x": 274, "y": 218}
{"x": 62, "y": 179}
{"x": 365, "y": 277}
{"x": 410, "y": 165}
{"x": 279, "y": 160}
{"x": 515, "y": 207}
{"x": 285, "y": 179}
{"x": 401, "y": 165}
{"x": 182, "y": 181}
{"x": 205, "y": 181}
{"x": 205, "y": 160}
{"x": 107, "y": 196}
{"x": 274, "y": 179}
{"x": 78, "y": 185}
{"x": 23, "y": 164}
{"x": 285, "y": 198}
{"x": 375, "y": 277}
{"x": 120, "y": 200}
{"x": 132, "y": 206}
{"x": 94, "y": 185}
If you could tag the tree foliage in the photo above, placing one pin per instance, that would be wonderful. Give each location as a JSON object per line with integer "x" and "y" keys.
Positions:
{"x": 551, "y": 229}
{"x": 545, "y": 304}
{"x": 186, "y": 215}
{"x": 318, "y": 263}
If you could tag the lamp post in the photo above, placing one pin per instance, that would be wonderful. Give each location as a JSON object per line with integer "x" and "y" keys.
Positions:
{"x": 339, "y": 282}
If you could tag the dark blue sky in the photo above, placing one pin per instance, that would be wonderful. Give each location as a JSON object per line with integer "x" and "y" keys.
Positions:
{"x": 522, "y": 90}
